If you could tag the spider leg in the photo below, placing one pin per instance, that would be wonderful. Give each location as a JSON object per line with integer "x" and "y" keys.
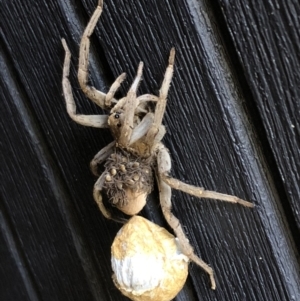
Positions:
{"x": 98, "y": 121}
{"x": 162, "y": 101}
{"x": 164, "y": 166}
{"x": 147, "y": 97}
{"x": 113, "y": 89}
{"x": 98, "y": 197}
{"x": 101, "y": 156}
{"x": 92, "y": 93}
{"x": 98, "y": 187}
{"x": 143, "y": 102}
{"x": 202, "y": 193}
{"x": 129, "y": 103}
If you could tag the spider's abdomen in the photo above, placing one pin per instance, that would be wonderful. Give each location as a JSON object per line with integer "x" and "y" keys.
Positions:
{"x": 128, "y": 181}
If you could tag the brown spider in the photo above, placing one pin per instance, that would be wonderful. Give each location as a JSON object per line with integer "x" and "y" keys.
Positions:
{"x": 137, "y": 153}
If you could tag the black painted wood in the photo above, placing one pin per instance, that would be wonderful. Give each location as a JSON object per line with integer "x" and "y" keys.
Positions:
{"x": 54, "y": 242}
{"x": 266, "y": 37}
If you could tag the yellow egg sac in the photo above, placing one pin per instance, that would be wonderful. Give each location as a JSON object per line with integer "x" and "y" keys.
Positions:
{"x": 147, "y": 264}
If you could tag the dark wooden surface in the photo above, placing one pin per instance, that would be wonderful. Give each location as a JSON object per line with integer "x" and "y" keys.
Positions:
{"x": 232, "y": 122}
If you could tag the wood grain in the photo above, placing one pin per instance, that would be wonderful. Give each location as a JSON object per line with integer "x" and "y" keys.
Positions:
{"x": 213, "y": 134}
{"x": 266, "y": 38}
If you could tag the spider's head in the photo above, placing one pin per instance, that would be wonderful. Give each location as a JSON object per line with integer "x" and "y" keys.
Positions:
{"x": 120, "y": 113}
{"x": 116, "y": 121}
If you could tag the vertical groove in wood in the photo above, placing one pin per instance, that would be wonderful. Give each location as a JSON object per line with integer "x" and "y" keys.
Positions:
{"x": 16, "y": 281}
{"x": 267, "y": 38}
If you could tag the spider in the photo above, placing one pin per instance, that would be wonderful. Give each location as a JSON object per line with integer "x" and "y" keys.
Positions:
{"x": 137, "y": 155}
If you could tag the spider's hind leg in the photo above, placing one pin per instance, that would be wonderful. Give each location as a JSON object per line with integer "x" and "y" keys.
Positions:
{"x": 202, "y": 193}
{"x": 164, "y": 166}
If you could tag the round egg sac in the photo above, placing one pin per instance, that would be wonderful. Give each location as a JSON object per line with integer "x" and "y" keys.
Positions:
{"x": 146, "y": 261}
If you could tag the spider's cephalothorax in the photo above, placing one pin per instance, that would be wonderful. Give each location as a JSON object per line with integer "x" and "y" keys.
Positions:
{"x": 137, "y": 146}
{"x": 128, "y": 180}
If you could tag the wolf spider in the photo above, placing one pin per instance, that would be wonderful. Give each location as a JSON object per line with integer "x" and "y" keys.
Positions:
{"x": 137, "y": 154}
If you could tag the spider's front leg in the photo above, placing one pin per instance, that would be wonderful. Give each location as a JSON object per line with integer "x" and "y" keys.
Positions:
{"x": 101, "y": 99}
{"x": 98, "y": 121}
{"x": 96, "y": 96}
{"x": 164, "y": 166}
{"x": 153, "y": 134}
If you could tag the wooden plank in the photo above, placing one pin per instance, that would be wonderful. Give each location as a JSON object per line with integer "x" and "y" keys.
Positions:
{"x": 15, "y": 282}
{"x": 209, "y": 135}
{"x": 48, "y": 246}
{"x": 266, "y": 38}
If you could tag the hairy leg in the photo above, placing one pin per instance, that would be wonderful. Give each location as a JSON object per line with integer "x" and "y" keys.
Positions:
{"x": 92, "y": 93}
{"x": 162, "y": 101}
{"x": 147, "y": 97}
{"x": 202, "y": 193}
{"x": 98, "y": 197}
{"x": 101, "y": 156}
{"x": 98, "y": 121}
{"x": 113, "y": 89}
{"x": 164, "y": 166}
{"x": 98, "y": 187}
{"x": 129, "y": 105}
